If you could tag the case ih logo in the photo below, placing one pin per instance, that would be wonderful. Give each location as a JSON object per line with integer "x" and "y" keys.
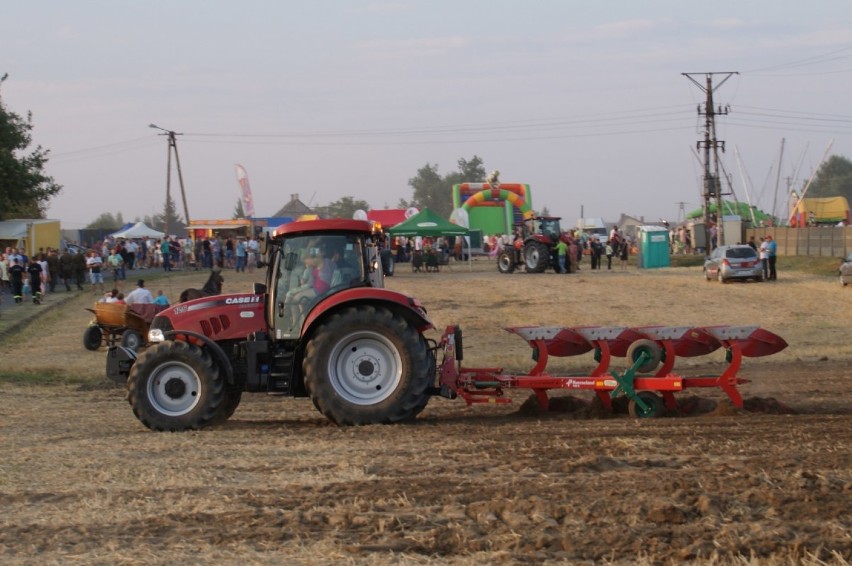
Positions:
{"x": 242, "y": 300}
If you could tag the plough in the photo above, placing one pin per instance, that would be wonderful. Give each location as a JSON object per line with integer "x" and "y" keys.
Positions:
{"x": 649, "y": 350}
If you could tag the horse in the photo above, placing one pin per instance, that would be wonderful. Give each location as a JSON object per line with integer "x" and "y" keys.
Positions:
{"x": 212, "y": 287}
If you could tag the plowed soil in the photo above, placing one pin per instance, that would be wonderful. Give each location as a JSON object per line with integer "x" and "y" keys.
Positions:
{"x": 82, "y": 481}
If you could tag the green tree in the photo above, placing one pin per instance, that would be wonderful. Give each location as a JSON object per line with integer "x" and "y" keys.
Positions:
{"x": 833, "y": 178}
{"x": 169, "y": 221}
{"x": 238, "y": 210}
{"x": 472, "y": 171}
{"x": 25, "y": 190}
{"x": 105, "y": 221}
{"x": 346, "y": 207}
{"x": 435, "y": 192}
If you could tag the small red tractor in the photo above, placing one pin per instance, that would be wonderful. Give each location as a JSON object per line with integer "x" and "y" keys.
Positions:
{"x": 356, "y": 349}
{"x": 540, "y": 236}
{"x": 359, "y": 352}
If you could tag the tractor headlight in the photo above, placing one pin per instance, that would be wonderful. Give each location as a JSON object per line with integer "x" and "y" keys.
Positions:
{"x": 156, "y": 335}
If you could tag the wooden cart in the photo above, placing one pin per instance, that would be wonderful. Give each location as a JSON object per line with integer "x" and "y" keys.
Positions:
{"x": 119, "y": 322}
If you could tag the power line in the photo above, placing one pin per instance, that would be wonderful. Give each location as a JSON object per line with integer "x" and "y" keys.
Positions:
{"x": 815, "y": 59}
{"x": 99, "y": 151}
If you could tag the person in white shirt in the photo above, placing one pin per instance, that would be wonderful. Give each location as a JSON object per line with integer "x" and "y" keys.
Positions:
{"x": 139, "y": 295}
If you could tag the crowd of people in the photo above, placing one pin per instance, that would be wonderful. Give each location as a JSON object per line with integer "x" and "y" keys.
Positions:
{"x": 30, "y": 278}
{"x": 570, "y": 250}
{"x": 103, "y": 267}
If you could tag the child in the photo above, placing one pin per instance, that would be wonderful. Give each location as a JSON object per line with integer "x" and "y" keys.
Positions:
{"x": 609, "y": 252}
{"x": 161, "y": 299}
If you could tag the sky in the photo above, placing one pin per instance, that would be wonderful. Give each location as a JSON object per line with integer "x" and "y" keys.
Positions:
{"x": 584, "y": 100}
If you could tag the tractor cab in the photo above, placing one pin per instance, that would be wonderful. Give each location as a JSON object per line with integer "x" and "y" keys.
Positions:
{"x": 310, "y": 263}
{"x": 549, "y": 226}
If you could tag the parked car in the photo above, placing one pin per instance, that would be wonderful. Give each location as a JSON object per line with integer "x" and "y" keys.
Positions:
{"x": 733, "y": 262}
{"x": 845, "y": 270}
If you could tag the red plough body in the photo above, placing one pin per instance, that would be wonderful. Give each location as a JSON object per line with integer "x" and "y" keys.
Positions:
{"x": 649, "y": 349}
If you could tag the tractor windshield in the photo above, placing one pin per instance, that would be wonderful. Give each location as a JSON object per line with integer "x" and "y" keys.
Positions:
{"x": 308, "y": 268}
{"x": 550, "y": 228}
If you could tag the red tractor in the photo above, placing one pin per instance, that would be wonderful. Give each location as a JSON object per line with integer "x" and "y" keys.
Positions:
{"x": 540, "y": 236}
{"x": 322, "y": 326}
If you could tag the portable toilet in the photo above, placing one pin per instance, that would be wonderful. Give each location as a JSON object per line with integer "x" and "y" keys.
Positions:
{"x": 732, "y": 230}
{"x": 653, "y": 247}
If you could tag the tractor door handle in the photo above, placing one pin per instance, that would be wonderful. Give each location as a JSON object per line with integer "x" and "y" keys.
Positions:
{"x": 280, "y": 309}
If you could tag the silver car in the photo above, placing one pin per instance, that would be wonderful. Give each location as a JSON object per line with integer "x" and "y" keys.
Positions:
{"x": 733, "y": 262}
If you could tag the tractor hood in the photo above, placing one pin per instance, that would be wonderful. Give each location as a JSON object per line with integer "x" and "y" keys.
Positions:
{"x": 218, "y": 317}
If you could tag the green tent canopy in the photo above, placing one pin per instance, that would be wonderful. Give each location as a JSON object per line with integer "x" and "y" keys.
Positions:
{"x": 428, "y": 223}
{"x": 741, "y": 209}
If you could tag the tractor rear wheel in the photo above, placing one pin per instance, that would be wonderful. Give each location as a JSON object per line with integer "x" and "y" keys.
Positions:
{"x": 367, "y": 365}
{"x": 175, "y": 386}
{"x": 506, "y": 262}
{"x": 654, "y": 402}
{"x": 93, "y": 337}
{"x": 535, "y": 256}
{"x": 648, "y": 347}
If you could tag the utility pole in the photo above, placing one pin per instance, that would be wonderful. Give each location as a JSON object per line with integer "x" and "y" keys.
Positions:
{"x": 172, "y": 147}
{"x": 681, "y": 211}
{"x": 712, "y": 185}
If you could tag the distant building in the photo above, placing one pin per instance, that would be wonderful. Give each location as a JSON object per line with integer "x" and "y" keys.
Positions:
{"x": 629, "y": 225}
{"x": 294, "y": 209}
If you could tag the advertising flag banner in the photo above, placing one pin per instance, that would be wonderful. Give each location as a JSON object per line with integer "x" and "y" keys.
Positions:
{"x": 245, "y": 190}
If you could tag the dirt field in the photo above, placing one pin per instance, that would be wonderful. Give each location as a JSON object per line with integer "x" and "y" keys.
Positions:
{"x": 81, "y": 481}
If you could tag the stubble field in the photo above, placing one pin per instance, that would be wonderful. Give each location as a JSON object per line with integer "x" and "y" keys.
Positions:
{"x": 81, "y": 481}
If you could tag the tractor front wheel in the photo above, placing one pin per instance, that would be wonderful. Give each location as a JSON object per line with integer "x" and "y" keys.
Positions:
{"x": 175, "y": 386}
{"x": 506, "y": 262}
{"x": 535, "y": 256}
{"x": 228, "y": 406}
{"x": 367, "y": 365}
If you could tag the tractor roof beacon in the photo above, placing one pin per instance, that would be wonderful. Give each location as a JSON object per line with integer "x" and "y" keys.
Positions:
{"x": 352, "y": 346}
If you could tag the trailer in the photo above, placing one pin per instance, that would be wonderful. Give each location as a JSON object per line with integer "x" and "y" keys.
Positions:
{"x": 650, "y": 350}
{"x": 119, "y": 323}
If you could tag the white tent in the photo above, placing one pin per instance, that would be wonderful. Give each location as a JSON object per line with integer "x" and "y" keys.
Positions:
{"x": 138, "y": 230}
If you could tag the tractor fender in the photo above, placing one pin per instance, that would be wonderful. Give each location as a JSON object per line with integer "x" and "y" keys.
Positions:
{"x": 409, "y": 306}
{"x": 218, "y": 353}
